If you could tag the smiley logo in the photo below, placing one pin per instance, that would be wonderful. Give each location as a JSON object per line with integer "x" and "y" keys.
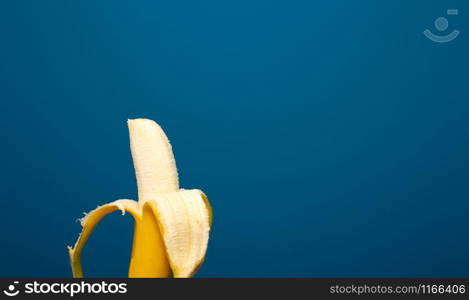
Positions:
{"x": 441, "y": 24}
{"x": 11, "y": 290}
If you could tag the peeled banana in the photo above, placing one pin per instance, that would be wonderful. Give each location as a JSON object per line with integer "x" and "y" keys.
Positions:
{"x": 172, "y": 225}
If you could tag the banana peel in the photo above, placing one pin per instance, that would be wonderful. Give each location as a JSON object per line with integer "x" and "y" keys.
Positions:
{"x": 172, "y": 225}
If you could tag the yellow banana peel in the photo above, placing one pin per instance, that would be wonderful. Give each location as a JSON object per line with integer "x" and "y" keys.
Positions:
{"x": 172, "y": 225}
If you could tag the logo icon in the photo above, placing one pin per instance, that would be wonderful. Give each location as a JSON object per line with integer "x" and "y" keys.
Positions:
{"x": 441, "y": 24}
{"x": 11, "y": 290}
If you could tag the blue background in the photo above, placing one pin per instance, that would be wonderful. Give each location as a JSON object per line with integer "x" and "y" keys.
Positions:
{"x": 331, "y": 137}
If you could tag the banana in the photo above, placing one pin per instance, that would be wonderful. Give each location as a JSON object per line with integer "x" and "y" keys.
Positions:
{"x": 172, "y": 225}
